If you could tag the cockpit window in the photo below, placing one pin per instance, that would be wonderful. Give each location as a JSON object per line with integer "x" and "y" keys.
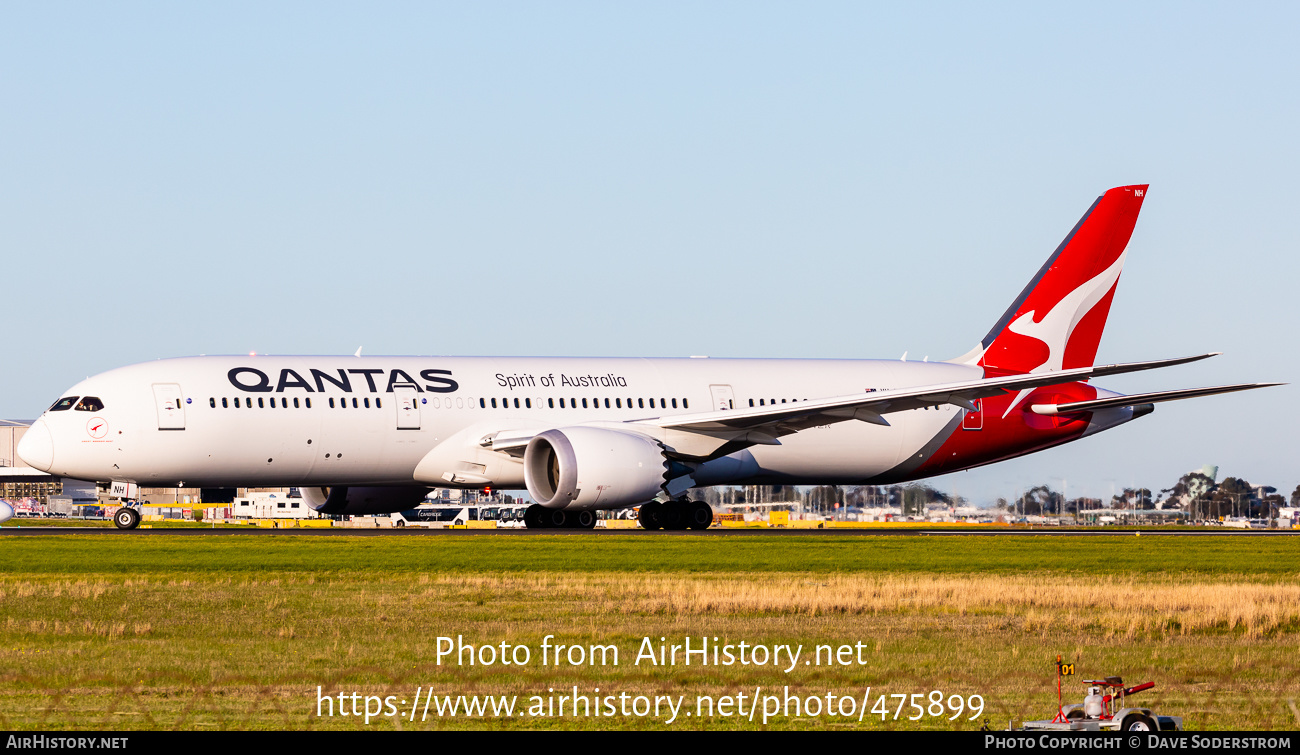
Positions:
{"x": 90, "y": 404}
{"x": 63, "y": 404}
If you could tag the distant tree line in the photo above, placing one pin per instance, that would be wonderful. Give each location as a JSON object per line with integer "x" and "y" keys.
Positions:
{"x": 1195, "y": 492}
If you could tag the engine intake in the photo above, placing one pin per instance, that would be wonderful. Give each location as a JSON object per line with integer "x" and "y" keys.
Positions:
{"x": 593, "y": 468}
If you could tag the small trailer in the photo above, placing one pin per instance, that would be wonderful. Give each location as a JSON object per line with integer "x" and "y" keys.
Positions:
{"x": 1105, "y": 708}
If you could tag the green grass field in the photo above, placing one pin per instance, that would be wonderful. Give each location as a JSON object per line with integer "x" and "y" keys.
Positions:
{"x": 239, "y": 631}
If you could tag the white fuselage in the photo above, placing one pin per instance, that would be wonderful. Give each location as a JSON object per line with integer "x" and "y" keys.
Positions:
{"x": 420, "y": 420}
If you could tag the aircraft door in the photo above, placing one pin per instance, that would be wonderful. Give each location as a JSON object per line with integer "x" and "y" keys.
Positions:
{"x": 974, "y": 420}
{"x": 407, "y": 399}
{"x": 171, "y": 410}
{"x": 723, "y": 397}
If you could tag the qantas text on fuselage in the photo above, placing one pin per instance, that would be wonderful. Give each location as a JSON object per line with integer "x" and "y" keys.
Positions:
{"x": 365, "y": 435}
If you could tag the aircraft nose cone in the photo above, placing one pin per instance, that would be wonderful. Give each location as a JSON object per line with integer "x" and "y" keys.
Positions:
{"x": 37, "y": 446}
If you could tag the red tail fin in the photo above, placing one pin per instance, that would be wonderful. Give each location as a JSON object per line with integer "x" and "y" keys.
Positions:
{"x": 1056, "y": 322}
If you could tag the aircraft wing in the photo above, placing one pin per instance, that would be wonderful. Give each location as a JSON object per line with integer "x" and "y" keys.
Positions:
{"x": 1143, "y": 398}
{"x": 767, "y": 423}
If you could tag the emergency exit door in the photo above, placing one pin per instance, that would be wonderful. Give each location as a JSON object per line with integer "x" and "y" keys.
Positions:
{"x": 171, "y": 412}
{"x": 408, "y": 407}
{"x": 723, "y": 397}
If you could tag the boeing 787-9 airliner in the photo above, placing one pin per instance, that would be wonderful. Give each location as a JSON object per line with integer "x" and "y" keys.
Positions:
{"x": 371, "y": 435}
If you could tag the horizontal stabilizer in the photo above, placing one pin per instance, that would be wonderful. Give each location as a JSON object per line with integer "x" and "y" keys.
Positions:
{"x": 1143, "y": 398}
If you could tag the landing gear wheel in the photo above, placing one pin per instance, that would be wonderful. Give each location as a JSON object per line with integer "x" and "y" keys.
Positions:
{"x": 583, "y": 520}
{"x": 400, "y": 523}
{"x": 674, "y": 517}
{"x": 651, "y": 515}
{"x": 699, "y": 516}
{"x": 126, "y": 518}
{"x": 1137, "y": 722}
{"x": 558, "y": 518}
{"x": 533, "y": 517}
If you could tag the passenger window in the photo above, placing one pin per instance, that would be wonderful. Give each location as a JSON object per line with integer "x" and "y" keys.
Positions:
{"x": 378, "y": 403}
{"x": 674, "y": 403}
{"x": 751, "y": 402}
{"x": 688, "y": 406}
{"x": 494, "y": 403}
{"x": 224, "y": 404}
{"x": 783, "y": 401}
{"x": 367, "y": 402}
{"x": 308, "y": 402}
{"x": 295, "y": 403}
{"x": 355, "y": 404}
{"x": 331, "y": 403}
{"x": 90, "y": 404}
{"x": 212, "y": 402}
{"x": 640, "y": 403}
{"x": 528, "y": 403}
{"x": 618, "y": 403}
{"x": 516, "y": 403}
{"x": 584, "y": 403}
{"x": 606, "y": 403}
{"x": 63, "y": 404}
{"x": 550, "y": 403}
{"x": 260, "y": 403}
{"x": 663, "y": 403}
{"x": 573, "y": 402}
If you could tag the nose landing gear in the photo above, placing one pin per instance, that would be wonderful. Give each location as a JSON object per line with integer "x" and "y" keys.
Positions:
{"x": 126, "y": 518}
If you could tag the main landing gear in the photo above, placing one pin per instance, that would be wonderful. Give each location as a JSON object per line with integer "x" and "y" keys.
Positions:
{"x": 127, "y": 518}
{"x": 675, "y": 515}
{"x": 539, "y": 517}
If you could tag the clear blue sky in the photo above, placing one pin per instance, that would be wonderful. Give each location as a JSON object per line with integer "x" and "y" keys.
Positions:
{"x": 731, "y": 179}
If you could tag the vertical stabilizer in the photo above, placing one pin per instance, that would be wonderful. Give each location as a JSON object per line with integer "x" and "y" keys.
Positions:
{"x": 1057, "y": 320}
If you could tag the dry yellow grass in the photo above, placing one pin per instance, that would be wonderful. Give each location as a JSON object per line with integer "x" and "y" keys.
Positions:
{"x": 1120, "y": 607}
{"x": 244, "y": 652}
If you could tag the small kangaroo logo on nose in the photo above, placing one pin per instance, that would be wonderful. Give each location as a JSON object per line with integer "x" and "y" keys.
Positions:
{"x": 97, "y": 427}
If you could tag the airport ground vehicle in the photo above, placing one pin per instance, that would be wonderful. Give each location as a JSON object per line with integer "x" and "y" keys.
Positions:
{"x": 505, "y": 515}
{"x": 1106, "y": 708}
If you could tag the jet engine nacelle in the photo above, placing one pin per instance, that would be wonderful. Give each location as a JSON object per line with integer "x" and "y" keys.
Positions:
{"x": 593, "y": 468}
{"x": 6, "y": 512}
{"x": 358, "y": 501}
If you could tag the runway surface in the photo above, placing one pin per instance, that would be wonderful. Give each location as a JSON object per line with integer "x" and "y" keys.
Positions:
{"x": 12, "y": 531}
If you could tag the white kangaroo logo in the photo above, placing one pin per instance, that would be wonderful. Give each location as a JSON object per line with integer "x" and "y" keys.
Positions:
{"x": 1058, "y": 324}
